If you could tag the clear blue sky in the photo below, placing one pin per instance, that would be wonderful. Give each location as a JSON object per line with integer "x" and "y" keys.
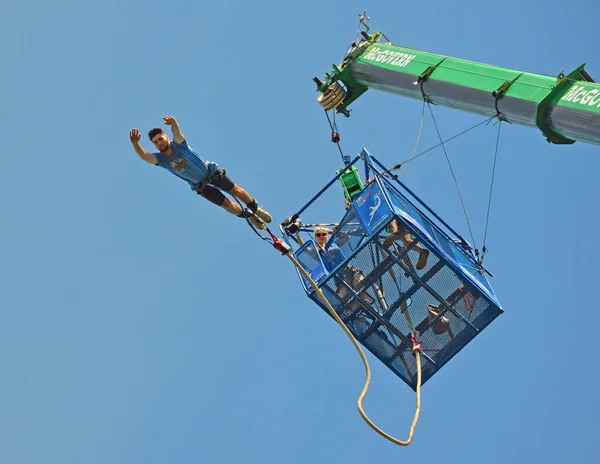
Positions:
{"x": 140, "y": 324}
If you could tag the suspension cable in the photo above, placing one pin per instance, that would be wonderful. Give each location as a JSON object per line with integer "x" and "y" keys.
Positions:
{"x": 448, "y": 140}
{"x": 335, "y": 137}
{"x": 484, "y": 249}
{"x": 248, "y": 212}
{"x": 404, "y": 165}
{"x": 455, "y": 180}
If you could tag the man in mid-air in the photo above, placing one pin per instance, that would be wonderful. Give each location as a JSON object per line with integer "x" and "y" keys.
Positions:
{"x": 205, "y": 177}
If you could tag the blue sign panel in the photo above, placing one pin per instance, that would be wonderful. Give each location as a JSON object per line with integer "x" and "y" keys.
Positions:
{"x": 372, "y": 207}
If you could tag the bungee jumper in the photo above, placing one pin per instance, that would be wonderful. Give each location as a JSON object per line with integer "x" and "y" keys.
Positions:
{"x": 206, "y": 178}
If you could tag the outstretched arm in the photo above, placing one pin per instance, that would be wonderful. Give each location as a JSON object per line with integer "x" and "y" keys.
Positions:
{"x": 135, "y": 137}
{"x": 177, "y": 135}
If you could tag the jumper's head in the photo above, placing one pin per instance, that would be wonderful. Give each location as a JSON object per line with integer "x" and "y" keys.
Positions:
{"x": 159, "y": 138}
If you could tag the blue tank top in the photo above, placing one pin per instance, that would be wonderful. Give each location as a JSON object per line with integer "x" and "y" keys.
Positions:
{"x": 185, "y": 163}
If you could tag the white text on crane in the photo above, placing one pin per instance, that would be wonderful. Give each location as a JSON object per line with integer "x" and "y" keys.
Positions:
{"x": 579, "y": 94}
{"x": 391, "y": 57}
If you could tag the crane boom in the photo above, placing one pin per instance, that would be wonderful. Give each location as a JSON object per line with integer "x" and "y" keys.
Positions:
{"x": 566, "y": 108}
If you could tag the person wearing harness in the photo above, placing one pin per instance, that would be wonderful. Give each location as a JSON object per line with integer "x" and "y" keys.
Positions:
{"x": 206, "y": 178}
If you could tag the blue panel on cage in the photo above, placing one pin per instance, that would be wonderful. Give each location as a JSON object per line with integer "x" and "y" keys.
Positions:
{"x": 313, "y": 263}
{"x": 393, "y": 267}
{"x": 372, "y": 208}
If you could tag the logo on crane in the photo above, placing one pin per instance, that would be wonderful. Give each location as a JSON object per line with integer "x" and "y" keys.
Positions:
{"x": 579, "y": 94}
{"x": 391, "y": 57}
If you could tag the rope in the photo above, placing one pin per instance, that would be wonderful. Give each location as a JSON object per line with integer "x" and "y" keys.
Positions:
{"x": 416, "y": 351}
{"x": 454, "y": 177}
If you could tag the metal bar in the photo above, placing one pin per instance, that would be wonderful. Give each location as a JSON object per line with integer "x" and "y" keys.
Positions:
{"x": 329, "y": 184}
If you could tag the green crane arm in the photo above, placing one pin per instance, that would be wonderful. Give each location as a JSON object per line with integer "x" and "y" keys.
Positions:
{"x": 565, "y": 108}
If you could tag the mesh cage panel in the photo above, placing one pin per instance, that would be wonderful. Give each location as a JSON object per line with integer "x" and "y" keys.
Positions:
{"x": 410, "y": 276}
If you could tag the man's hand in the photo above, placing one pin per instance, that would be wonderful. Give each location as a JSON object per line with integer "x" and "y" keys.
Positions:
{"x": 170, "y": 121}
{"x": 177, "y": 135}
{"x": 134, "y": 136}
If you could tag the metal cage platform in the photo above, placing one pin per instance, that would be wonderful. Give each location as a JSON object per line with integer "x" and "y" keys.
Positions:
{"x": 393, "y": 266}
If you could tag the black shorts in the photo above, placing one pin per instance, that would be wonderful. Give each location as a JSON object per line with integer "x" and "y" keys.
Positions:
{"x": 211, "y": 190}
